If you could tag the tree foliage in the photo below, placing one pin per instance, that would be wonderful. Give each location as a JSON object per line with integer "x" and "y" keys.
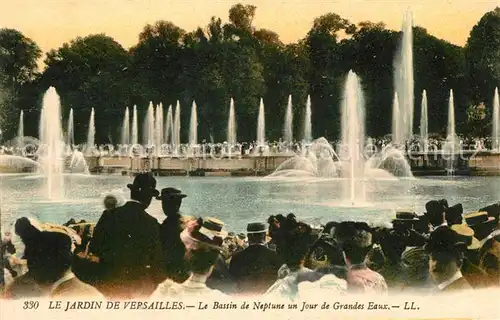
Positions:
{"x": 483, "y": 57}
{"x": 219, "y": 61}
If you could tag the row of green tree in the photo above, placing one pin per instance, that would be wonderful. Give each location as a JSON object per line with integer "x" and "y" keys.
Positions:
{"x": 223, "y": 60}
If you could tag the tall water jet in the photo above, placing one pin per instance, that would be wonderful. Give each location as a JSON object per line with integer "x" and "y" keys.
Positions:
{"x": 177, "y": 128}
{"x": 495, "y": 139}
{"x": 20, "y": 130}
{"x": 288, "y": 131}
{"x": 169, "y": 126}
{"x": 451, "y": 145}
{"x": 402, "y": 126}
{"x": 395, "y": 118}
{"x": 451, "y": 135}
{"x": 51, "y": 139}
{"x": 159, "y": 126}
{"x": 125, "y": 139}
{"x": 149, "y": 126}
{"x": 91, "y": 133}
{"x": 424, "y": 134}
{"x": 193, "y": 126}
{"x": 231, "y": 125}
{"x": 353, "y": 139}
{"x": 308, "y": 122}
{"x": 71, "y": 129}
{"x": 135, "y": 129}
{"x": 261, "y": 125}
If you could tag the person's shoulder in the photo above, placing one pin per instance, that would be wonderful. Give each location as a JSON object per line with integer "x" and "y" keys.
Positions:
{"x": 110, "y": 213}
{"x": 152, "y": 221}
{"x": 22, "y": 287}
{"x": 77, "y": 288}
{"x": 165, "y": 288}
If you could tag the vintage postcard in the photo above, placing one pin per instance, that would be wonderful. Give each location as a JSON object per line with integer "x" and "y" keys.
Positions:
{"x": 250, "y": 159}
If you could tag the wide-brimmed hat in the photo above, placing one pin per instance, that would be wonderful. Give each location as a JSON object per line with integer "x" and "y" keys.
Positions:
{"x": 38, "y": 236}
{"x": 170, "y": 193}
{"x": 404, "y": 214}
{"x": 478, "y": 218}
{"x": 207, "y": 232}
{"x": 256, "y": 228}
{"x": 144, "y": 182}
{"x": 492, "y": 210}
{"x": 466, "y": 234}
{"x": 29, "y": 228}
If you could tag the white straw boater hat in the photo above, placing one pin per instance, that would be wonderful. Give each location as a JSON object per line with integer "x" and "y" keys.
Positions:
{"x": 466, "y": 235}
{"x": 205, "y": 232}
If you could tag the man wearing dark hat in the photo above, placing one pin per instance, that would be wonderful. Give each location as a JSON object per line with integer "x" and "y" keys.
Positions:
{"x": 435, "y": 213}
{"x": 127, "y": 242}
{"x": 170, "y": 230}
{"x": 446, "y": 257}
{"x": 254, "y": 268}
{"x": 453, "y": 214}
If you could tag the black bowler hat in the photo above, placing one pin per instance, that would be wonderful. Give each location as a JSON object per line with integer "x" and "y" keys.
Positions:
{"x": 256, "y": 227}
{"x": 144, "y": 182}
{"x": 171, "y": 193}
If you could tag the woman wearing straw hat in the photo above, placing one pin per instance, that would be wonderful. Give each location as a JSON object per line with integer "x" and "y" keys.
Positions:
{"x": 203, "y": 239}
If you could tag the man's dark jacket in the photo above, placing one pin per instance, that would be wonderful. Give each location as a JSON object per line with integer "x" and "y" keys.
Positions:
{"x": 254, "y": 269}
{"x": 127, "y": 241}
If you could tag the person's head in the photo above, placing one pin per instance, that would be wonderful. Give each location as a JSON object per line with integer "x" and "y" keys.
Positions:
{"x": 48, "y": 254}
{"x": 415, "y": 266}
{"x": 143, "y": 189}
{"x": 110, "y": 202}
{"x": 435, "y": 212}
{"x": 445, "y": 252}
{"x": 392, "y": 245}
{"x": 256, "y": 233}
{"x": 355, "y": 239}
{"x": 297, "y": 242}
{"x": 202, "y": 260}
{"x": 453, "y": 214}
{"x": 171, "y": 200}
{"x": 489, "y": 259}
